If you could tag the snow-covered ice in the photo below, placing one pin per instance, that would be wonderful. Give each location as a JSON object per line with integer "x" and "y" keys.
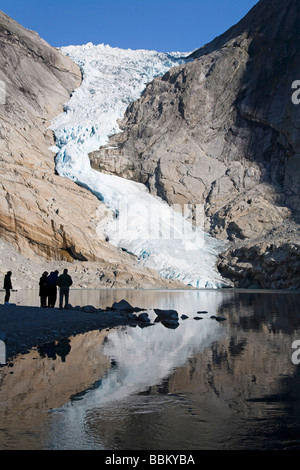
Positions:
{"x": 145, "y": 225}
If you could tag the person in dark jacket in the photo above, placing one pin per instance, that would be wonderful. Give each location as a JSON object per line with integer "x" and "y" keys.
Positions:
{"x": 64, "y": 282}
{"x": 7, "y": 286}
{"x": 52, "y": 289}
{"x": 43, "y": 289}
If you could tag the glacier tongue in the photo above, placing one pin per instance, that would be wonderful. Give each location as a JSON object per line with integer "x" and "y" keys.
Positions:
{"x": 161, "y": 237}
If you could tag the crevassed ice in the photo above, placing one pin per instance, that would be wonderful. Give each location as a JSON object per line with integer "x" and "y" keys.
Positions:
{"x": 161, "y": 237}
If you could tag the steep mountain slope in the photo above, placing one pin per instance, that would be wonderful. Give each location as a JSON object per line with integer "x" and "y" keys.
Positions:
{"x": 141, "y": 223}
{"x": 42, "y": 214}
{"x": 222, "y": 131}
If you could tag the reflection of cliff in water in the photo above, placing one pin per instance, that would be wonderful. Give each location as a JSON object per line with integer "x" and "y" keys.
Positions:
{"x": 244, "y": 386}
{"x": 203, "y": 385}
{"x": 145, "y": 356}
{"x": 278, "y": 312}
{"x": 46, "y": 378}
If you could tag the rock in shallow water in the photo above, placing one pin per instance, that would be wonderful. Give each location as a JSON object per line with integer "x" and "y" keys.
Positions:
{"x": 166, "y": 313}
{"x": 214, "y": 317}
{"x": 124, "y": 305}
{"x": 143, "y": 317}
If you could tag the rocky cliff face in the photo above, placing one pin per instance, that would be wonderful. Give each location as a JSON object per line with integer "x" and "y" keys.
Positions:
{"x": 222, "y": 131}
{"x": 41, "y": 214}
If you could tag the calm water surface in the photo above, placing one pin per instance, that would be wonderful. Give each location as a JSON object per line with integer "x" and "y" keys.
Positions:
{"x": 203, "y": 385}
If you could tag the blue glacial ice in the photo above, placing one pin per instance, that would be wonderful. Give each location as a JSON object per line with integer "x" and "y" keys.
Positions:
{"x": 161, "y": 237}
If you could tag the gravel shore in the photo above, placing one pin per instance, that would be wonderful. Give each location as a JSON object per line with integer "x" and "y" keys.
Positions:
{"x": 22, "y": 328}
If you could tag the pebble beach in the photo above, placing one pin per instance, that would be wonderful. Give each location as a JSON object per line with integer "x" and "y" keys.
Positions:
{"x": 23, "y": 327}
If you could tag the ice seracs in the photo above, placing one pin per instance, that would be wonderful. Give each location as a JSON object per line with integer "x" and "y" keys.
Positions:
{"x": 160, "y": 236}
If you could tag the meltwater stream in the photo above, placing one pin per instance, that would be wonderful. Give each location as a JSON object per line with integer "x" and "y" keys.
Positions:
{"x": 162, "y": 238}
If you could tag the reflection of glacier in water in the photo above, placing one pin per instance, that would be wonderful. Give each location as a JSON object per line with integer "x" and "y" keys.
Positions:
{"x": 145, "y": 225}
{"x": 141, "y": 358}
{"x": 145, "y": 357}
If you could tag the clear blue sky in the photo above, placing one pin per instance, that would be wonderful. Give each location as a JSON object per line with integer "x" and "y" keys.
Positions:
{"x": 161, "y": 25}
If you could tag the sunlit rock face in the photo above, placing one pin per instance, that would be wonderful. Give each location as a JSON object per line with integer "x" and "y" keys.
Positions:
{"x": 37, "y": 208}
{"x": 222, "y": 131}
{"x": 42, "y": 215}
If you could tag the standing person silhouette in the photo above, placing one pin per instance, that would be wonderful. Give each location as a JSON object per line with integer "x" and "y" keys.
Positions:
{"x": 64, "y": 282}
{"x": 52, "y": 290}
{"x": 43, "y": 289}
{"x": 7, "y": 286}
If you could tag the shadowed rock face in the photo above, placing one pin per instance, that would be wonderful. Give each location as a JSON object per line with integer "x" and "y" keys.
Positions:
{"x": 222, "y": 131}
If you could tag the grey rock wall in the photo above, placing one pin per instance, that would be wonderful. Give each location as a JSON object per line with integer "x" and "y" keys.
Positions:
{"x": 47, "y": 221}
{"x": 222, "y": 131}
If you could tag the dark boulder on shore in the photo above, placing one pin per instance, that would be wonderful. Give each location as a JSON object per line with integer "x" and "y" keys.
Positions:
{"x": 124, "y": 305}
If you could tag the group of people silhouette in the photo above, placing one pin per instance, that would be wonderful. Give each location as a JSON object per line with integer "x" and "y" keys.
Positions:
{"x": 48, "y": 285}
{"x": 48, "y": 289}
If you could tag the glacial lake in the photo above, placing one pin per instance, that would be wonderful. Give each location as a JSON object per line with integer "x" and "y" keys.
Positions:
{"x": 205, "y": 385}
